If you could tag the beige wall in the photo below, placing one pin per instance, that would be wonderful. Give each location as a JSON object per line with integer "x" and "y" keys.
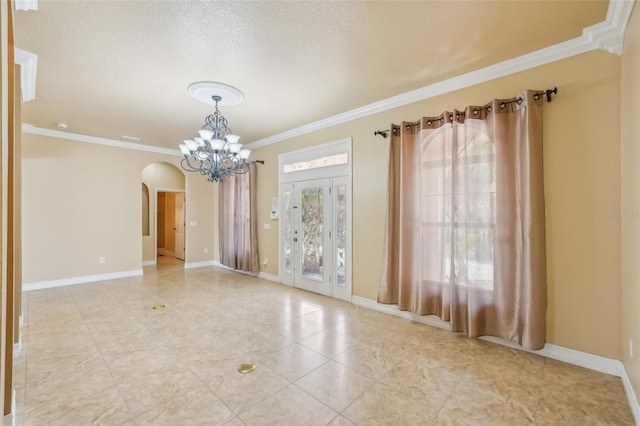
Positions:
{"x": 81, "y": 201}
{"x": 630, "y": 221}
{"x": 582, "y": 163}
{"x": 158, "y": 177}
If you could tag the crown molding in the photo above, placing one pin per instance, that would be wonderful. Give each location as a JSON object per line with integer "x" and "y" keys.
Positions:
{"x": 25, "y": 4}
{"x": 607, "y": 35}
{"x": 31, "y": 129}
{"x": 28, "y": 69}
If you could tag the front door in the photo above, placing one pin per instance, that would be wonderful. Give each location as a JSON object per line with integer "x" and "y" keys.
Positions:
{"x": 314, "y": 243}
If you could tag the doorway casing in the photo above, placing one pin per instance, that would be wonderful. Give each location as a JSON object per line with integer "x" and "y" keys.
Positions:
{"x": 315, "y": 185}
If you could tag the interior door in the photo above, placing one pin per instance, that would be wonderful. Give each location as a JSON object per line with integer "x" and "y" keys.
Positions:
{"x": 179, "y": 226}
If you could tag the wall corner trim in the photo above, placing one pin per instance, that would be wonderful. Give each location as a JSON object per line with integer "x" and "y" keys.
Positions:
{"x": 610, "y": 366}
{"x": 41, "y": 285}
{"x": 28, "y": 70}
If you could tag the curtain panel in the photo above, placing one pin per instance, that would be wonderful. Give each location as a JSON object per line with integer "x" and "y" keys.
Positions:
{"x": 465, "y": 224}
{"x": 238, "y": 221}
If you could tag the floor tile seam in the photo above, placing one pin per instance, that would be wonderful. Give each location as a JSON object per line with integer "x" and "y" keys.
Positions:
{"x": 86, "y": 395}
{"x": 169, "y": 400}
{"x": 377, "y": 379}
{"x": 327, "y": 360}
{"x": 239, "y": 413}
{"x": 496, "y": 394}
{"x": 27, "y": 354}
{"x": 106, "y": 364}
{"x": 367, "y": 388}
{"x": 313, "y": 397}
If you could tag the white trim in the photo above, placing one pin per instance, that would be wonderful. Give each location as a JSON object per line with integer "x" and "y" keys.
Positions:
{"x": 25, "y": 4}
{"x": 607, "y": 35}
{"x": 40, "y": 285}
{"x": 631, "y": 396}
{"x": 393, "y": 310}
{"x": 148, "y": 263}
{"x": 217, "y": 264}
{"x": 31, "y": 129}
{"x": 269, "y": 277}
{"x": 28, "y": 70}
{"x": 21, "y": 321}
{"x": 193, "y": 265}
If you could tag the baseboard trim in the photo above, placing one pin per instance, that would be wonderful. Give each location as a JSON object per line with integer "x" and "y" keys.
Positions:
{"x": 431, "y": 320}
{"x": 149, "y": 263}
{"x": 220, "y": 265}
{"x": 204, "y": 263}
{"x": 41, "y": 285}
{"x": 631, "y": 395}
{"x": 269, "y": 277}
{"x": 560, "y": 353}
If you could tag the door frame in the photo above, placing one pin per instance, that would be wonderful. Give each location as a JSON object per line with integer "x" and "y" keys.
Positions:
{"x": 342, "y": 171}
{"x": 155, "y": 222}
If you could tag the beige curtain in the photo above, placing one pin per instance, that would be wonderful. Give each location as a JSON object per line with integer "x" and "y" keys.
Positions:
{"x": 465, "y": 236}
{"x": 238, "y": 221}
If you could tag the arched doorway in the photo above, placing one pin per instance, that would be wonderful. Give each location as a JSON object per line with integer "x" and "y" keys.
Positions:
{"x": 163, "y": 217}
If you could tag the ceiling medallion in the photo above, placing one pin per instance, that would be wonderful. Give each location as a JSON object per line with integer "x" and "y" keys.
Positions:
{"x": 216, "y": 153}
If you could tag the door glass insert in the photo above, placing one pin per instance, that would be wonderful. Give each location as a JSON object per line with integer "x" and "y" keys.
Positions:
{"x": 311, "y": 252}
{"x": 287, "y": 232}
{"x": 341, "y": 234}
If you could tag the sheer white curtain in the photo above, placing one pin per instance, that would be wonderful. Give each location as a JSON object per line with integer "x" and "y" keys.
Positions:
{"x": 465, "y": 220}
{"x": 237, "y": 221}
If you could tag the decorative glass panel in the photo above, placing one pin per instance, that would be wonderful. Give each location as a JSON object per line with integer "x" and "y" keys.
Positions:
{"x": 331, "y": 160}
{"x": 341, "y": 235}
{"x": 287, "y": 232}
{"x": 311, "y": 253}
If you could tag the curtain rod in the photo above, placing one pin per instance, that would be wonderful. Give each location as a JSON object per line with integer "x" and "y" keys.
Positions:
{"x": 536, "y": 96}
{"x": 258, "y": 161}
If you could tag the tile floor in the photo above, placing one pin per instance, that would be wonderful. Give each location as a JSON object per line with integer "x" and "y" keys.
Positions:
{"x": 99, "y": 354}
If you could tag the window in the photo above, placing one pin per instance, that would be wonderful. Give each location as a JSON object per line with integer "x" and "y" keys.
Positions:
{"x": 458, "y": 208}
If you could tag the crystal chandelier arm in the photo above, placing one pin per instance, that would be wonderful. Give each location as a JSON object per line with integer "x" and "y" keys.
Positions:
{"x": 216, "y": 153}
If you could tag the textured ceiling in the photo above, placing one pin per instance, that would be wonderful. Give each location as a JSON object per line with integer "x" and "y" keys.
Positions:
{"x": 111, "y": 68}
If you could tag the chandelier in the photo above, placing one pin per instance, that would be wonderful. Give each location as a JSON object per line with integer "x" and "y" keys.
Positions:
{"x": 215, "y": 153}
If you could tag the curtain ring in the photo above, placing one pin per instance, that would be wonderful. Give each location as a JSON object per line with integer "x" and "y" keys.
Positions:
{"x": 488, "y": 109}
{"x": 476, "y": 112}
{"x": 450, "y": 117}
{"x": 519, "y": 101}
{"x": 503, "y": 105}
{"x": 536, "y": 96}
{"x": 429, "y": 123}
